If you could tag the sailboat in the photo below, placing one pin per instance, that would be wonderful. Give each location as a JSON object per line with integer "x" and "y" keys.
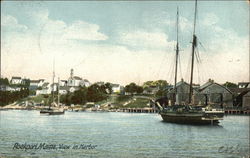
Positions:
{"x": 189, "y": 114}
{"x": 54, "y": 108}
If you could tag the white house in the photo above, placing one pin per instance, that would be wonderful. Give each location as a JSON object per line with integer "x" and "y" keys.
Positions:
{"x": 116, "y": 88}
{"x": 8, "y": 88}
{"x": 85, "y": 83}
{"x": 44, "y": 89}
{"x": 63, "y": 90}
{"x": 16, "y": 80}
{"x": 63, "y": 83}
{"x": 37, "y": 83}
{"x": 75, "y": 81}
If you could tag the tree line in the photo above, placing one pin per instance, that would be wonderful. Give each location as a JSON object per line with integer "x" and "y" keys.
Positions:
{"x": 93, "y": 93}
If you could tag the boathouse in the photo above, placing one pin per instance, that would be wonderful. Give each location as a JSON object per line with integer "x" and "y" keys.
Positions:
{"x": 182, "y": 96}
{"x": 246, "y": 100}
{"x": 214, "y": 93}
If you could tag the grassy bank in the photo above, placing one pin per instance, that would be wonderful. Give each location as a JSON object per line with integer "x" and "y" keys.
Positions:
{"x": 112, "y": 102}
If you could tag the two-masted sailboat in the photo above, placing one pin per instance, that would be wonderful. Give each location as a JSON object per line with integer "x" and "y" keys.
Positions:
{"x": 189, "y": 114}
{"x": 54, "y": 108}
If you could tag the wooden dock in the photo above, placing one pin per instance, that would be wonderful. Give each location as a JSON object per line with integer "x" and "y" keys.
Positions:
{"x": 139, "y": 110}
{"x": 237, "y": 112}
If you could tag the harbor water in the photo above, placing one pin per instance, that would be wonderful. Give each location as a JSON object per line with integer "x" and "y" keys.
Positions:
{"x": 111, "y": 134}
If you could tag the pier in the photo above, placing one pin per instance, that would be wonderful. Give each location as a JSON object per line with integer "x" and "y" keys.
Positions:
{"x": 237, "y": 111}
{"x": 139, "y": 110}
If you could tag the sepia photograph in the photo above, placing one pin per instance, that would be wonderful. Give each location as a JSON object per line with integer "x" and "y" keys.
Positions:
{"x": 125, "y": 79}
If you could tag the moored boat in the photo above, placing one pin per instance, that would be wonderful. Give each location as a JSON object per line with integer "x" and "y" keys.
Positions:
{"x": 188, "y": 113}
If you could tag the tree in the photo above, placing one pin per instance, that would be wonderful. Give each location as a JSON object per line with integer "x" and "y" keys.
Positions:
{"x": 230, "y": 85}
{"x": 4, "y": 81}
{"x": 133, "y": 88}
{"x": 159, "y": 83}
{"x": 139, "y": 89}
{"x": 80, "y": 96}
{"x": 108, "y": 87}
{"x": 96, "y": 93}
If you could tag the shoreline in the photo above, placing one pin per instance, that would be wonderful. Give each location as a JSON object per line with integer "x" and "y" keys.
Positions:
{"x": 127, "y": 110}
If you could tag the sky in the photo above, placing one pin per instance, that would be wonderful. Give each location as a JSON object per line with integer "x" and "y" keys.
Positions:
{"x": 124, "y": 41}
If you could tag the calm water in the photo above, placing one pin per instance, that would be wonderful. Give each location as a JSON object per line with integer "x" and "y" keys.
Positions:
{"x": 120, "y": 135}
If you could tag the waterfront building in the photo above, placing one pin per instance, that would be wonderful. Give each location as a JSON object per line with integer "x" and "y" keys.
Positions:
{"x": 182, "y": 96}
{"x": 246, "y": 101}
{"x": 16, "y": 80}
{"x": 214, "y": 93}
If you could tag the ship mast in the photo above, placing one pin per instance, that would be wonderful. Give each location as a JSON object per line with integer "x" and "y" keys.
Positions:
{"x": 58, "y": 100}
{"x": 53, "y": 80}
{"x": 176, "y": 56}
{"x": 194, "y": 44}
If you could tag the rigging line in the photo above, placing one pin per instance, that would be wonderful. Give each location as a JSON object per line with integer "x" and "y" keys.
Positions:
{"x": 180, "y": 66}
{"x": 160, "y": 68}
{"x": 170, "y": 69}
{"x": 188, "y": 67}
{"x": 172, "y": 76}
{"x": 170, "y": 73}
{"x": 198, "y": 72}
{"x": 196, "y": 55}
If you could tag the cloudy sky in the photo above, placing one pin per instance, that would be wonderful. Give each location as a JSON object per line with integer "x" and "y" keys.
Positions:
{"x": 126, "y": 41}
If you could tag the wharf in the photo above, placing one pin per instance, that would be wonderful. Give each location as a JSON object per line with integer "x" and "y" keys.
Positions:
{"x": 139, "y": 110}
{"x": 237, "y": 111}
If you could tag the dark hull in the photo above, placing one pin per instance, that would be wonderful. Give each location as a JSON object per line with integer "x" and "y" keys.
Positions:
{"x": 182, "y": 119}
{"x": 56, "y": 113}
{"x": 51, "y": 112}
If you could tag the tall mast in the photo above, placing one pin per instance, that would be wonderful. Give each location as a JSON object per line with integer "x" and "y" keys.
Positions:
{"x": 53, "y": 80}
{"x": 194, "y": 44}
{"x": 177, "y": 53}
{"x": 58, "y": 101}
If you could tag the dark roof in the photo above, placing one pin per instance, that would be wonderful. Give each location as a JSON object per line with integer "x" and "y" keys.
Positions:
{"x": 34, "y": 81}
{"x": 115, "y": 85}
{"x": 77, "y": 78}
{"x": 45, "y": 84}
{"x": 248, "y": 94}
{"x": 14, "y": 77}
{"x": 218, "y": 85}
{"x": 239, "y": 90}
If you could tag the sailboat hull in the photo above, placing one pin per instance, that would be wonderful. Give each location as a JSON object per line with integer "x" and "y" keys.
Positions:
{"x": 52, "y": 111}
{"x": 196, "y": 119}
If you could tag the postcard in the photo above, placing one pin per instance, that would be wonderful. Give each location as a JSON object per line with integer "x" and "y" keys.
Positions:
{"x": 124, "y": 79}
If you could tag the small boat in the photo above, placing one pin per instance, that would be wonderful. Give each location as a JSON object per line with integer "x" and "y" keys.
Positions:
{"x": 54, "y": 109}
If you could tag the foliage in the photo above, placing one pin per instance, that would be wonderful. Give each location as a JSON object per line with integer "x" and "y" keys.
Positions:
{"x": 159, "y": 83}
{"x": 4, "y": 81}
{"x": 230, "y": 85}
{"x": 133, "y": 88}
{"x": 8, "y": 97}
{"x": 108, "y": 87}
{"x": 96, "y": 93}
{"x": 161, "y": 93}
{"x": 79, "y": 96}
